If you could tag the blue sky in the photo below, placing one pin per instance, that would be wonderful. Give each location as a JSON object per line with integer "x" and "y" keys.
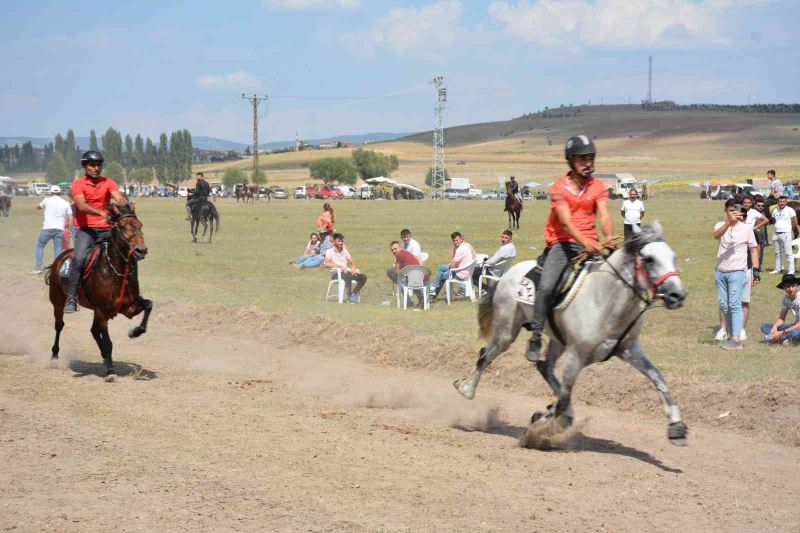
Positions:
{"x": 150, "y": 67}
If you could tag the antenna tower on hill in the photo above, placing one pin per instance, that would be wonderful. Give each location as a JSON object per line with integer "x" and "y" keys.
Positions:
{"x": 437, "y": 171}
{"x": 649, "y": 80}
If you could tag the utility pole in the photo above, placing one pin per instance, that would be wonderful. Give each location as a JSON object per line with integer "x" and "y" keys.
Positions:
{"x": 649, "y": 80}
{"x": 255, "y": 100}
{"x": 437, "y": 173}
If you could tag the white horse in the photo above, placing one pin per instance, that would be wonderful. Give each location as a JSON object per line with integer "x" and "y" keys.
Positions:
{"x": 603, "y": 319}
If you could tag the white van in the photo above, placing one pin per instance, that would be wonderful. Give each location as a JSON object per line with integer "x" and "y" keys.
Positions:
{"x": 183, "y": 192}
{"x": 365, "y": 192}
{"x": 347, "y": 191}
{"x": 40, "y": 188}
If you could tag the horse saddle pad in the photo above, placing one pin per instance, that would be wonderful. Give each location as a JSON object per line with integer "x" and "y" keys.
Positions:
{"x": 571, "y": 281}
{"x": 66, "y": 265}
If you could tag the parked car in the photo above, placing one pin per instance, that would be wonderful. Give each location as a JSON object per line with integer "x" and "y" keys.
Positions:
{"x": 365, "y": 192}
{"x": 451, "y": 194}
{"x": 489, "y": 195}
{"x": 300, "y": 192}
{"x": 279, "y": 193}
{"x": 183, "y": 192}
{"x": 40, "y": 189}
{"x": 331, "y": 192}
{"x": 347, "y": 191}
{"x": 22, "y": 191}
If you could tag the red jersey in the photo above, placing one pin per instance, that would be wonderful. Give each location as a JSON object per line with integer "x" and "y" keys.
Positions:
{"x": 97, "y": 194}
{"x": 582, "y": 206}
{"x": 406, "y": 258}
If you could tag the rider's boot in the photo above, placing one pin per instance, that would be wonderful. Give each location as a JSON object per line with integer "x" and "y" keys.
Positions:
{"x": 72, "y": 305}
{"x": 534, "y": 347}
{"x": 72, "y": 290}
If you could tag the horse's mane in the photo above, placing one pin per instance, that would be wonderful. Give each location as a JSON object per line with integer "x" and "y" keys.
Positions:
{"x": 649, "y": 233}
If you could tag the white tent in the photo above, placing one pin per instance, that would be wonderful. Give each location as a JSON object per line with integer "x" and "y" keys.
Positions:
{"x": 4, "y": 179}
{"x": 380, "y": 180}
{"x": 533, "y": 184}
{"x": 410, "y": 187}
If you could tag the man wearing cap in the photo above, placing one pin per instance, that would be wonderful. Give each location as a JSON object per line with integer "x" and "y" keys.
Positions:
{"x": 56, "y": 212}
{"x": 576, "y": 200}
{"x": 91, "y": 193}
{"x": 780, "y": 331}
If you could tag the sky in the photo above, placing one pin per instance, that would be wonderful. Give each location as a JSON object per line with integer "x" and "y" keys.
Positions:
{"x": 334, "y": 67}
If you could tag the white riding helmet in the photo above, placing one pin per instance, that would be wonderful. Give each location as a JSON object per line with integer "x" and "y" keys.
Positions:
{"x": 55, "y": 189}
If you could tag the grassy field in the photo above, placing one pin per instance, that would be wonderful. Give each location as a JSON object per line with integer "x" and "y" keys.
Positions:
{"x": 247, "y": 265}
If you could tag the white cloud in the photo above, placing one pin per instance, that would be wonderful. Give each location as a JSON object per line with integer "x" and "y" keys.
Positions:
{"x": 309, "y": 5}
{"x": 412, "y": 30}
{"x": 617, "y": 24}
{"x": 239, "y": 80}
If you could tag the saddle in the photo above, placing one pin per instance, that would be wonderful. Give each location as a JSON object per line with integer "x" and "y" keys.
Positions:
{"x": 93, "y": 253}
{"x": 571, "y": 280}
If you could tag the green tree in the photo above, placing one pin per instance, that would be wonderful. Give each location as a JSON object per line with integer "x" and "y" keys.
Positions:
{"x": 429, "y": 176}
{"x": 57, "y": 169}
{"x": 115, "y": 171}
{"x": 232, "y": 176}
{"x": 162, "y": 163}
{"x": 371, "y": 164}
{"x": 138, "y": 154}
{"x": 59, "y": 145}
{"x": 150, "y": 153}
{"x": 188, "y": 152}
{"x": 141, "y": 176}
{"x": 174, "y": 157}
{"x": 128, "y": 159}
{"x": 330, "y": 169}
{"x": 70, "y": 150}
{"x": 112, "y": 145}
{"x": 258, "y": 178}
{"x": 2, "y": 168}
{"x": 92, "y": 140}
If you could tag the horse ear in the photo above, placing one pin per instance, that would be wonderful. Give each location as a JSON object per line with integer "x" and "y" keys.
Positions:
{"x": 656, "y": 227}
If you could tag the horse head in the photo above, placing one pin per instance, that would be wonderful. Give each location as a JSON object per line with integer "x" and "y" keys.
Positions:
{"x": 127, "y": 229}
{"x": 655, "y": 264}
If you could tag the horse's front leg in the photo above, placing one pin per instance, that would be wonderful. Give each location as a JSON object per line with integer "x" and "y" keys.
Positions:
{"x": 139, "y": 330}
{"x": 635, "y": 356}
{"x": 572, "y": 367}
{"x": 205, "y": 226}
{"x": 100, "y": 334}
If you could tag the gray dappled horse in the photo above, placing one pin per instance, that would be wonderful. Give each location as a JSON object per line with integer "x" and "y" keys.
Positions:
{"x": 604, "y": 319}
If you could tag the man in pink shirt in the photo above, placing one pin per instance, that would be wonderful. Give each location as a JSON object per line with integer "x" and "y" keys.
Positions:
{"x": 736, "y": 240}
{"x": 463, "y": 255}
{"x": 339, "y": 257}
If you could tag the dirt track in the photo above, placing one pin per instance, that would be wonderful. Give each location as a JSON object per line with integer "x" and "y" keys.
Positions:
{"x": 222, "y": 432}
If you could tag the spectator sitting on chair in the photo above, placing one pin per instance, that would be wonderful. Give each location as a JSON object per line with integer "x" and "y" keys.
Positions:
{"x": 311, "y": 253}
{"x": 410, "y": 245}
{"x": 507, "y": 250}
{"x": 780, "y": 331}
{"x": 339, "y": 257}
{"x": 402, "y": 259}
{"x": 463, "y": 255}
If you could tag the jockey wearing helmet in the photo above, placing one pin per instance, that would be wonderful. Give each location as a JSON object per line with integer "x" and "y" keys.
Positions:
{"x": 91, "y": 193}
{"x": 576, "y": 198}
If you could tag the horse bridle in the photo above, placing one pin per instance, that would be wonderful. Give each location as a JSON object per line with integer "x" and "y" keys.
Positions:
{"x": 652, "y": 284}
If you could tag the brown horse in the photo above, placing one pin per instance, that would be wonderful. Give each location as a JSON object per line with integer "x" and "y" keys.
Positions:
{"x": 109, "y": 287}
{"x": 513, "y": 207}
{"x": 5, "y": 205}
{"x": 244, "y": 194}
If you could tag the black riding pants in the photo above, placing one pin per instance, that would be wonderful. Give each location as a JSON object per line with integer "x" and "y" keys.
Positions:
{"x": 555, "y": 268}
{"x": 193, "y": 202}
{"x": 85, "y": 238}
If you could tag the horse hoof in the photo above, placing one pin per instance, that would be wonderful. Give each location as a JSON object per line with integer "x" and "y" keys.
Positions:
{"x": 538, "y": 415}
{"x": 111, "y": 378}
{"x": 134, "y": 332}
{"x": 678, "y": 434}
{"x": 463, "y": 390}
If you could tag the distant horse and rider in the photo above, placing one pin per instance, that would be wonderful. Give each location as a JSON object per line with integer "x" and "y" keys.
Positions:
{"x": 246, "y": 193}
{"x": 109, "y": 283}
{"x": 513, "y": 203}
{"x": 205, "y": 213}
{"x": 5, "y": 205}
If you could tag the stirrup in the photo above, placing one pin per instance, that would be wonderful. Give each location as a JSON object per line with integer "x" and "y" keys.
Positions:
{"x": 72, "y": 305}
{"x": 533, "y": 353}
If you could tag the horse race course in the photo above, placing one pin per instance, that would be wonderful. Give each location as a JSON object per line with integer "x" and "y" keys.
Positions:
{"x": 251, "y": 404}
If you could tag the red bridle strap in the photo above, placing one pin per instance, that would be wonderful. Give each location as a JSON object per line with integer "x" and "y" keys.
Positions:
{"x": 654, "y": 285}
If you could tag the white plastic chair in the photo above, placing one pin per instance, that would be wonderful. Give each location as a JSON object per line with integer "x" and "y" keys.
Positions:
{"x": 796, "y": 246}
{"x": 423, "y": 256}
{"x": 338, "y": 282}
{"x": 412, "y": 278}
{"x": 497, "y": 271}
{"x": 466, "y": 283}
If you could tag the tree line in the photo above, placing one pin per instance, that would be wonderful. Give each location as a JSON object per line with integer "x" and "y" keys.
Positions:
{"x": 364, "y": 164}
{"x": 136, "y": 158}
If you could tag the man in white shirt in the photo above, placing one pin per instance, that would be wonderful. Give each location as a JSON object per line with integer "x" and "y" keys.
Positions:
{"x": 785, "y": 223}
{"x": 56, "y": 212}
{"x": 506, "y": 251}
{"x": 775, "y": 184}
{"x": 632, "y": 212}
{"x": 409, "y": 244}
{"x": 463, "y": 255}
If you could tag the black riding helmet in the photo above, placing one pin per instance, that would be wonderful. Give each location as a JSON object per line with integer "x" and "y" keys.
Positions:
{"x": 579, "y": 145}
{"x": 91, "y": 155}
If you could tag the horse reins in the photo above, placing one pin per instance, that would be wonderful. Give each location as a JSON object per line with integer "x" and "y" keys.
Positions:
{"x": 128, "y": 260}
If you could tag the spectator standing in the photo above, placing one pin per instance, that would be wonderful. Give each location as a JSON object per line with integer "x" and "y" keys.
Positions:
{"x": 463, "y": 255}
{"x": 507, "y": 250}
{"x": 759, "y": 221}
{"x": 410, "y": 245}
{"x": 57, "y": 216}
{"x": 785, "y": 224}
{"x": 632, "y": 213}
{"x": 779, "y": 331}
{"x": 736, "y": 239}
{"x": 339, "y": 257}
{"x": 775, "y": 184}
{"x": 310, "y": 254}
{"x": 326, "y": 219}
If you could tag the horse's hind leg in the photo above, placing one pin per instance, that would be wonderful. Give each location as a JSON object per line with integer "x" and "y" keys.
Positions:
{"x": 58, "y": 313}
{"x": 498, "y": 344}
{"x": 139, "y": 330}
{"x": 101, "y": 337}
{"x": 635, "y": 356}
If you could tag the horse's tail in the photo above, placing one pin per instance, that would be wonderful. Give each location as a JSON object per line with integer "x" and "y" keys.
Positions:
{"x": 486, "y": 312}
{"x": 47, "y": 273}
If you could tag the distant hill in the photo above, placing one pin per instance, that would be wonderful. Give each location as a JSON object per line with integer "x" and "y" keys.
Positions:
{"x": 213, "y": 143}
{"x": 610, "y": 121}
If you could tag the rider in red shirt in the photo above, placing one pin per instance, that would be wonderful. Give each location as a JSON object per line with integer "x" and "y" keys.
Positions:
{"x": 576, "y": 198}
{"x": 91, "y": 193}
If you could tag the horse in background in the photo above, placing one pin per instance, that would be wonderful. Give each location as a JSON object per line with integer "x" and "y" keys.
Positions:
{"x": 5, "y": 205}
{"x": 204, "y": 213}
{"x": 244, "y": 193}
{"x": 513, "y": 207}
